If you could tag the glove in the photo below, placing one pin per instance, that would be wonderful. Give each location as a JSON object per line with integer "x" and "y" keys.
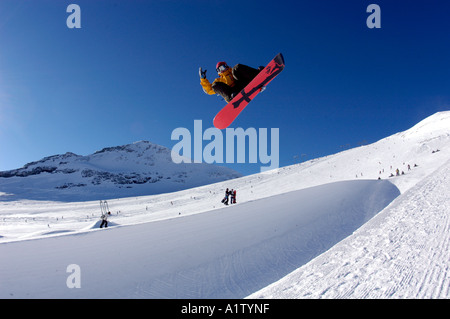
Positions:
{"x": 202, "y": 73}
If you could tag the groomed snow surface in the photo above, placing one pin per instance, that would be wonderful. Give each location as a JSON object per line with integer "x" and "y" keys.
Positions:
{"x": 326, "y": 228}
{"x": 403, "y": 252}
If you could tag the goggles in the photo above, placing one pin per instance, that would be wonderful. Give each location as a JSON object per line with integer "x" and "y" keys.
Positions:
{"x": 222, "y": 68}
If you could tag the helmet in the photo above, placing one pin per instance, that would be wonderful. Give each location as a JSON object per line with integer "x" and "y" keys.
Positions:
{"x": 221, "y": 66}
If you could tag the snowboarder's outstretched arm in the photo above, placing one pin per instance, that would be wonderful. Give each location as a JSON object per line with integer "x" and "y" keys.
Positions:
{"x": 202, "y": 73}
{"x": 206, "y": 85}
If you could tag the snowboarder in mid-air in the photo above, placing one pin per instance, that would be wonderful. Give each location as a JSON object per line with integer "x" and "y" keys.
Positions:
{"x": 230, "y": 81}
{"x": 238, "y": 86}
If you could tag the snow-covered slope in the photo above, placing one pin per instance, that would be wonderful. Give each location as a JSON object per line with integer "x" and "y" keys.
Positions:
{"x": 403, "y": 252}
{"x": 289, "y": 218}
{"x": 226, "y": 253}
{"x": 141, "y": 168}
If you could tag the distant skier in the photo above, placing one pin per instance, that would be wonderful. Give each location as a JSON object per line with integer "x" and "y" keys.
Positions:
{"x": 230, "y": 81}
{"x": 105, "y": 220}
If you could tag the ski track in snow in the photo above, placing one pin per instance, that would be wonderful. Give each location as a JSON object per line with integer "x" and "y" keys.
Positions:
{"x": 403, "y": 252}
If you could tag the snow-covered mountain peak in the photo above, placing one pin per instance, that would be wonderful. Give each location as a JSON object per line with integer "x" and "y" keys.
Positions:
{"x": 139, "y": 147}
{"x": 140, "y": 168}
{"x": 137, "y": 156}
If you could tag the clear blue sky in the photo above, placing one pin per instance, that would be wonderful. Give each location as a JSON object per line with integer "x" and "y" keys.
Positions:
{"x": 131, "y": 72}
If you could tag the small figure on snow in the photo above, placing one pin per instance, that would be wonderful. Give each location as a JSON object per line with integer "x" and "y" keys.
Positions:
{"x": 230, "y": 196}
{"x": 230, "y": 81}
{"x": 225, "y": 199}
{"x": 105, "y": 220}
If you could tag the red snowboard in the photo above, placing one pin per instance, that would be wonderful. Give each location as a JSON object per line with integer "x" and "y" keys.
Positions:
{"x": 229, "y": 113}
